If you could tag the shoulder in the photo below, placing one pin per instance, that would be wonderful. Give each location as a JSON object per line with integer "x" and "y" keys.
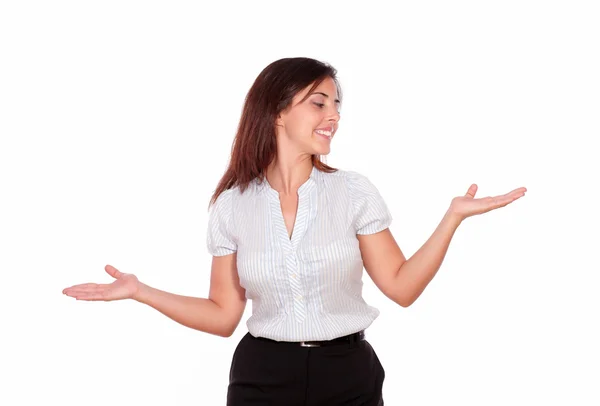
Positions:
{"x": 224, "y": 198}
{"x": 343, "y": 175}
{"x": 234, "y": 199}
{"x": 371, "y": 213}
{"x": 226, "y": 202}
{"x": 355, "y": 182}
{"x": 235, "y": 192}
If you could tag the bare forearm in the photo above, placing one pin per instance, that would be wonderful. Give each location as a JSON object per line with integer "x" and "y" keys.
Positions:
{"x": 194, "y": 312}
{"x": 415, "y": 274}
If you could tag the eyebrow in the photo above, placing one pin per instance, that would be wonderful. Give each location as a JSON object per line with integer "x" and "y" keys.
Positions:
{"x": 326, "y": 95}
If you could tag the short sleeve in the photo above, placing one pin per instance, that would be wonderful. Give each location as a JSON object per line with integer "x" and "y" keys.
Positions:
{"x": 371, "y": 214}
{"x": 219, "y": 240}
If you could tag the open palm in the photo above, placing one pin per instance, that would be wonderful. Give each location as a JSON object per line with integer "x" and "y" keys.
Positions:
{"x": 466, "y": 206}
{"x": 124, "y": 287}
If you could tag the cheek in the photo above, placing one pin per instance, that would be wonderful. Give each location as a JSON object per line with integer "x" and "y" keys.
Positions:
{"x": 302, "y": 128}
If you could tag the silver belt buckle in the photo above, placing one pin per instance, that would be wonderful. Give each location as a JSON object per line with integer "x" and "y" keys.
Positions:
{"x": 309, "y": 344}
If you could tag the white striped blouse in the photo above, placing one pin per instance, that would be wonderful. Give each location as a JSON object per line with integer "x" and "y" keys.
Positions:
{"x": 307, "y": 287}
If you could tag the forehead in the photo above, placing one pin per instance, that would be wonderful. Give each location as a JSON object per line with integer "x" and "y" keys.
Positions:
{"x": 327, "y": 87}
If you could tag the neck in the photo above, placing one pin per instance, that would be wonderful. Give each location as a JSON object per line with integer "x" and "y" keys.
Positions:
{"x": 286, "y": 176}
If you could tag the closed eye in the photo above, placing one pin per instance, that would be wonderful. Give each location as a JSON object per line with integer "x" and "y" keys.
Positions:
{"x": 321, "y": 105}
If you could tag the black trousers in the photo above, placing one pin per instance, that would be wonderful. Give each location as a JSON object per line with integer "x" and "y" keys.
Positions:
{"x": 265, "y": 372}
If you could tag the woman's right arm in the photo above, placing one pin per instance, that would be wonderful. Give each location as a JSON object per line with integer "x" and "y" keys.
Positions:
{"x": 220, "y": 314}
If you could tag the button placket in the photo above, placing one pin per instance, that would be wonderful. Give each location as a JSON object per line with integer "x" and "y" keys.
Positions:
{"x": 296, "y": 287}
{"x": 304, "y": 215}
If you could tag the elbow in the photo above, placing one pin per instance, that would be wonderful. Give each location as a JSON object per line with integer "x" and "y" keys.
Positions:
{"x": 222, "y": 332}
{"x": 227, "y": 330}
{"x": 220, "y": 329}
{"x": 404, "y": 297}
{"x": 399, "y": 299}
{"x": 227, "y": 333}
{"x": 404, "y": 300}
{"x": 403, "y": 303}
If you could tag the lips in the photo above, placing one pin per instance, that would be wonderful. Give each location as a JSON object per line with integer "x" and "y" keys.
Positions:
{"x": 329, "y": 128}
{"x": 325, "y": 132}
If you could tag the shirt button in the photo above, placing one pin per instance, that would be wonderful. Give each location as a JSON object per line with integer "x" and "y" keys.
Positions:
{"x": 298, "y": 297}
{"x": 294, "y": 275}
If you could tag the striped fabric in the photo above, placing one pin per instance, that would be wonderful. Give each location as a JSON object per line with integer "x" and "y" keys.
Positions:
{"x": 307, "y": 287}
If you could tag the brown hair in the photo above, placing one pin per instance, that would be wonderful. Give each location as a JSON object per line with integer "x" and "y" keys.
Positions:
{"x": 255, "y": 144}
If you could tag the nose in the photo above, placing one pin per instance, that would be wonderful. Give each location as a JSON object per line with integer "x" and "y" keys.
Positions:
{"x": 334, "y": 116}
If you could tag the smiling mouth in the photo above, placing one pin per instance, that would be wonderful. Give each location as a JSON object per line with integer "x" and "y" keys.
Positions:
{"x": 325, "y": 134}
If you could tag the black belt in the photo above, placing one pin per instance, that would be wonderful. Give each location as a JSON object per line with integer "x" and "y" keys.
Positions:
{"x": 349, "y": 339}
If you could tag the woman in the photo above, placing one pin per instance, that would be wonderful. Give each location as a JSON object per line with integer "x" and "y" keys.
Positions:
{"x": 293, "y": 234}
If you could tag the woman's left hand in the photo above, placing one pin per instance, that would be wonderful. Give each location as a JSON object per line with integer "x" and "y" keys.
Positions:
{"x": 466, "y": 206}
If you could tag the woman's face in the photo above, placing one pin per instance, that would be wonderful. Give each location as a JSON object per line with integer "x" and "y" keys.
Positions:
{"x": 308, "y": 127}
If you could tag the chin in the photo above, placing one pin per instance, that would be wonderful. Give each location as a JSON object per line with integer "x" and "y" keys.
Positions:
{"x": 320, "y": 148}
{"x": 321, "y": 151}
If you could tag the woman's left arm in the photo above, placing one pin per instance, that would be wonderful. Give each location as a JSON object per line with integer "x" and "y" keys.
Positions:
{"x": 404, "y": 280}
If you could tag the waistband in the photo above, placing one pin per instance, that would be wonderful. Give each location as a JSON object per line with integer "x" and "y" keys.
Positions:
{"x": 348, "y": 339}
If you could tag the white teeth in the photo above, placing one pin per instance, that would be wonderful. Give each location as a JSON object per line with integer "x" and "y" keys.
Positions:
{"x": 322, "y": 132}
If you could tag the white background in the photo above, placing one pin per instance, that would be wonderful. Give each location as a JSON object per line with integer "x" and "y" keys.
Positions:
{"x": 116, "y": 121}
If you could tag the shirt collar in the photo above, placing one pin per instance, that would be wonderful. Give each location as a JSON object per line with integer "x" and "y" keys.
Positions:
{"x": 315, "y": 179}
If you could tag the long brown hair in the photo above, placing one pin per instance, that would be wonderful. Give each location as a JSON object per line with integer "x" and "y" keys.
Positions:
{"x": 255, "y": 145}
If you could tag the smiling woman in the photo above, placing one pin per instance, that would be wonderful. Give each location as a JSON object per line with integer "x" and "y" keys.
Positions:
{"x": 292, "y": 108}
{"x": 293, "y": 235}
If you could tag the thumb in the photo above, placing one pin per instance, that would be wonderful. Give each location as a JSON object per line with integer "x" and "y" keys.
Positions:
{"x": 472, "y": 190}
{"x": 112, "y": 271}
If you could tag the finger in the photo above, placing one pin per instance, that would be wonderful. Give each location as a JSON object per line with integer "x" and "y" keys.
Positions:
{"x": 472, "y": 190}
{"x": 519, "y": 190}
{"x": 100, "y": 293}
{"x": 87, "y": 289}
{"x": 502, "y": 200}
{"x": 90, "y": 296}
{"x": 81, "y": 286}
{"x": 112, "y": 271}
{"x": 78, "y": 293}
{"x": 512, "y": 195}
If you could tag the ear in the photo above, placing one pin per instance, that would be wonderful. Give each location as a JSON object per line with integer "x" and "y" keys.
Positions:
{"x": 279, "y": 121}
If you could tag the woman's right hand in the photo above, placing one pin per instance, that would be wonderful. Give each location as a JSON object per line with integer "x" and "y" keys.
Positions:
{"x": 124, "y": 287}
